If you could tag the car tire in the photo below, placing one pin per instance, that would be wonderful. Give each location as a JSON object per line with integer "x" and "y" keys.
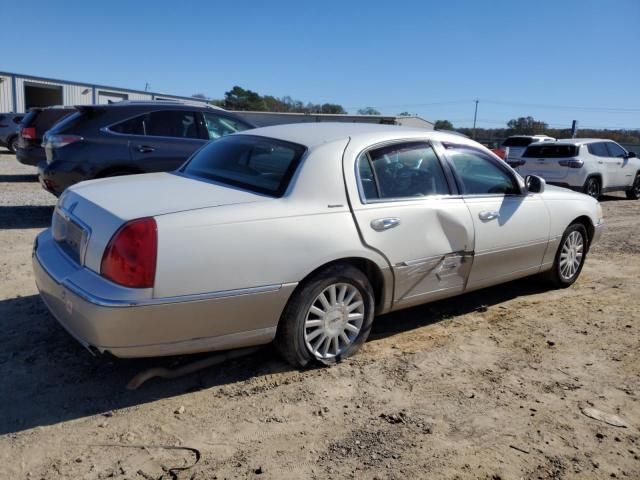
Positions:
{"x": 327, "y": 318}
{"x": 570, "y": 256}
{"x": 12, "y": 144}
{"x": 592, "y": 187}
{"x": 634, "y": 192}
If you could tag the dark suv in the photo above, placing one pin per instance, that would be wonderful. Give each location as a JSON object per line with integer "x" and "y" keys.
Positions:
{"x": 129, "y": 137}
{"x": 9, "y": 130}
{"x": 32, "y": 129}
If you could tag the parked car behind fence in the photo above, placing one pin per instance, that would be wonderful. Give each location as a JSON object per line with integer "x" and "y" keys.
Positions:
{"x": 33, "y": 127}
{"x": 593, "y": 166}
{"x": 9, "y": 129}
{"x": 129, "y": 137}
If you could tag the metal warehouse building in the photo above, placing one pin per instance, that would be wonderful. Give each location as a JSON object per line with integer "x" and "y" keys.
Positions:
{"x": 19, "y": 93}
{"x": 262, "y": 119}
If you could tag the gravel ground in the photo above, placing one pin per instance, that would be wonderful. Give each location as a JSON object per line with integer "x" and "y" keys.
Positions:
{"x": 491, "y": 385}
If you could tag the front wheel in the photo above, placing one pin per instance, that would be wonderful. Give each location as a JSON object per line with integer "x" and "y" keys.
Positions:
{"x": 328, "y": 317}
{"x": 592, "y": 187}
{"x": 570, "y": 256}
{"x": 634, "y": 192}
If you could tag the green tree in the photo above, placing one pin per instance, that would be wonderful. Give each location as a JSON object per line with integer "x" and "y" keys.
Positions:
{"x": 240, "y": 99}
{"x": 332, "y": 108}
{"x": 199, "y": 95}
{"x": 403, "y": 114}
{"x": 443, "y": 125}
{"x": 368, "y": 111}
{"x": 527, "y": 126}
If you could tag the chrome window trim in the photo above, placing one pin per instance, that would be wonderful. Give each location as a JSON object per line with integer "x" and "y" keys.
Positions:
{"x": 196, "y": 113}
{"x": 365, "y": 201}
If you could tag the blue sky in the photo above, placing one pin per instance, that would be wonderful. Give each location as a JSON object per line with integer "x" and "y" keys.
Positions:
{"x": 426, "y": 57}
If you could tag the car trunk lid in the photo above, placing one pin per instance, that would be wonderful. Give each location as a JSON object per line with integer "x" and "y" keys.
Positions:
{"x": 549, "y": 161}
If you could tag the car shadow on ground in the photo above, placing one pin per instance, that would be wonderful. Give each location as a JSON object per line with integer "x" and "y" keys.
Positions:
{"x": 29, "y": 216}
{"x": 46, "y": 376}
{"x": 612, "y": 198}
{"x": 19, "y": 178}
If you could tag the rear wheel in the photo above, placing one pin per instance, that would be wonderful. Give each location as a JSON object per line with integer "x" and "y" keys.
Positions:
{"x": 13, "y": 144}
{"x": 592, "y": 187}
{"x": 570, "y": 256}
{"x": 328, "y": 318}
{"x": 634, "y": 192}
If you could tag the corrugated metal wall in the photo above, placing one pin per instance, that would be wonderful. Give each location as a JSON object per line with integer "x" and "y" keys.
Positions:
{"x": 20, "y": 83}
{"x": 6, "y": 94}
{"x": 72, "y": 93}
{"x": 78, "y": 94}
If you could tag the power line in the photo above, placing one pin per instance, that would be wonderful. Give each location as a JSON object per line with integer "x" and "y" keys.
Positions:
{"x": 566, "y": 107}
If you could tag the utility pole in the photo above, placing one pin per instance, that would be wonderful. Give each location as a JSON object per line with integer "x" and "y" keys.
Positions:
{"x": 146, "y": 86}
{"x": 475, "y": 117}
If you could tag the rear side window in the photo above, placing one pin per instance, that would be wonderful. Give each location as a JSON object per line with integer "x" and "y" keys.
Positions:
{"x": 517, "y": 142}
{"x": 598, "y": 149}
{"x": 478, "y": 173}
{"x": 172, "y": 123}
{"x": 615, "y": 150}
{"x": 218, "y": 126}
{"x": 132, "y": 126}
{"x": 551, "y": 151}
{"x": 407, "y": 170}
{"x": 259, "y": 164}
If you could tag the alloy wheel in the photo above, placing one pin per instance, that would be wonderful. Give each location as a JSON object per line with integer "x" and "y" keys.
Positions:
{"x": 334, "y": 320}
{"x": 571, "y": 255}
{"x": 593, "y": 188}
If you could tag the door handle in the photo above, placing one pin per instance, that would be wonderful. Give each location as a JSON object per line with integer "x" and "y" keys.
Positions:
{"x": 487, "y": 216}
{"x": 600, "y": 162}
{"x": 145, "y": 149}
{"x": 382, "y": 224}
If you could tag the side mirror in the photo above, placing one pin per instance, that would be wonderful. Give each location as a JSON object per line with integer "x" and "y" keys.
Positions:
{"x": 632, "y": 155}
{"x": 534, "y": 183}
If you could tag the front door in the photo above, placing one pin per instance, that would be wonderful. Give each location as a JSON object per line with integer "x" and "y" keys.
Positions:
{"x": 404, "y": 209}
{"x": 511, "y": 226}
{"x": 624, "y": 174}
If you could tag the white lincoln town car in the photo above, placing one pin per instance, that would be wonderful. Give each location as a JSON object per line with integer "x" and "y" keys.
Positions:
{"x": 299, "y": 234}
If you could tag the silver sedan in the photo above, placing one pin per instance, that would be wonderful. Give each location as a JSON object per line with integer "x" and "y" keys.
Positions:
{"x": 299, "y": 234}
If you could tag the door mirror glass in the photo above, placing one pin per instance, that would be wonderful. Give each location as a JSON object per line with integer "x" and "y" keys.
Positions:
{"x": 534, "y": 184}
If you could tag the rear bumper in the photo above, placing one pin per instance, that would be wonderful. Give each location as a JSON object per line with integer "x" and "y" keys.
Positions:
{"x": 30, "y": 155}
{"x": 128, "y": 327}
{"x": 57, "y": 177}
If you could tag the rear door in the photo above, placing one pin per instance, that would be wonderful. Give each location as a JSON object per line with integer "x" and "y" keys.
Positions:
{"x": 169, "y": 138}
{"x": 405, "y": 209}
{"x": 511, "y": 226}
{"x": 623, "y": 172}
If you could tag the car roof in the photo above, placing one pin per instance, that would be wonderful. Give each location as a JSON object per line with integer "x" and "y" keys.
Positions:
{"x": 581, "y": 141}
{"x": 317, "y": 133}
{"x": 156, "y": 104}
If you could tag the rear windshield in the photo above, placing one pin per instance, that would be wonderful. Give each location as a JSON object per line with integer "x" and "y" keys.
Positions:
{"x": 264, "y": 165}
{"x": 48, "y": 117}
{"x": 71, "y": 121}
{"x": 517, "y": 142}
{"x": 551, "y": 151}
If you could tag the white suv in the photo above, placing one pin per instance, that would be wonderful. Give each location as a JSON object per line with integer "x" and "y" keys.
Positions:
{"x": 592, "y": 166}
{"x": 515, "y": 146}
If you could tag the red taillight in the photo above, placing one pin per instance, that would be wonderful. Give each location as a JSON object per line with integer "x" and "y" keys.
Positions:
{"x": 130, "y": 257}
{"x": 59, "y": 141}
{"x": 29, "y": 133}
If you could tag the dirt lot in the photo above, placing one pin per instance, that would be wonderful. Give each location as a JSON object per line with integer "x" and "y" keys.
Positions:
{"x": 488, "y": 385}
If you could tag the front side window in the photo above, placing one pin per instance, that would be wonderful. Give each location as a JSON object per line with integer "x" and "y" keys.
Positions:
{"x": 616, "y": 150}
{"x": 218, "y": 126}
{"x": 401, "y": 171}
{"x": 264, "y": 165}
{"x": 172, "y": 123}
{"x": 478, "y": 173}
